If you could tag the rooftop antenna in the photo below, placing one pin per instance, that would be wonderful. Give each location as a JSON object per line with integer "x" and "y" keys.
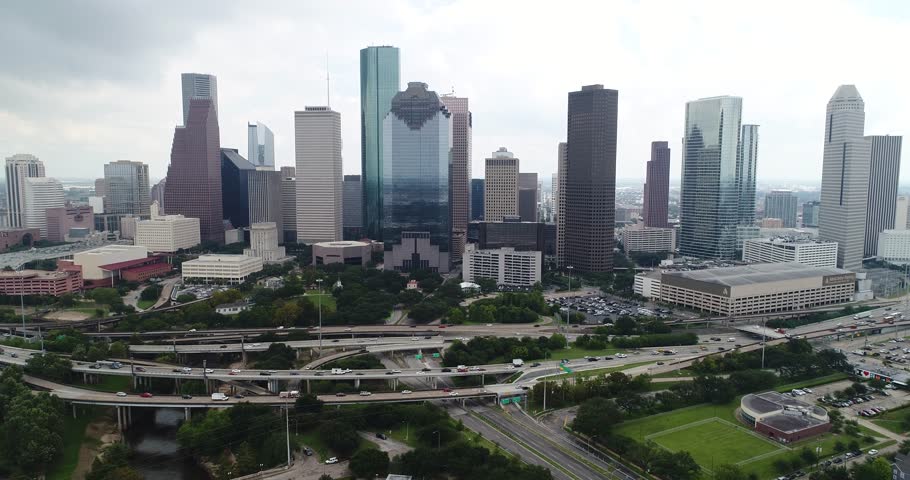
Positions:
{"x": 328, "y": 92}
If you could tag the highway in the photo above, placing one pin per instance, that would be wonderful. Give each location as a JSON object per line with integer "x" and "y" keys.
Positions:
{"x": 415, "y": 342}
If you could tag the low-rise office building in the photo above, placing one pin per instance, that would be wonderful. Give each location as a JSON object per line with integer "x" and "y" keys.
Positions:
{"x": 92, "y": 260}
{"x": 783, "y": 418}
{"x": 647, "y": 284}
{"x": 63, "y": 220}
{"x": 168, "y": 233}
{"x": 756, "y": 289}
{"x": 894, "y": 246}
{"x": 505, "y": 265}
{"x": 416, "y": 252}
{"x": 638, "y": 238}
{"x": 806, "y": 251}
{"x": 346, "y": 252}
{"x": 220, "y": 269}
{"x": 15, "y": 237}
{"x": 40, "y": 282}
{"x": 264, "y": 243}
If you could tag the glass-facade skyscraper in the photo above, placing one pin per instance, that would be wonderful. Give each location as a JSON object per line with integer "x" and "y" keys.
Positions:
{"x": 379, "y": 83}
{"x": 126, "y": 188}
{"x": 710, "y": 200}
{"x": 477, "y": 185}
{"x": 417, "y": 146}
{"x": 260, "y": 145}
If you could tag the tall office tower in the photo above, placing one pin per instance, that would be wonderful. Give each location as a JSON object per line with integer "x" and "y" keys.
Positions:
{"x": 782, "y": 204}
{"x": 264, "y": 188}
{"x": 18, "y": 168}
{"x": 901, "y": 212}
{"x": 562, "y": 173}
{"x": 591, "y": 179}
{"x": 845, "y": 177}
{"x": 40, "y": 193}
{"x": 201, "y": 86}
{"x": 477, "y": 186}
{"x": 656, "y": 196}
{"x": 810, "y": 213}
{"x": 157, "y": 195}
{"x": 260, "y": 145}
{"x": 709, "y": 202}
{"x": 417, "y": 146}
{"x": 527, "y": 197}
{"x": 460, "y": 174}
{"x": 500, "y": 186}
{"x": 126, "y": 186}
{"x": 379, "y": 83}
{"x": 884, "y": 170}
{"x": 317, "y": 149}
{"x": 352, "y": 208}
{"x": 289, "y": 204}
{"x": 194, "y": 175}
{"x": 99, "y": 187}
{"x": 747, "y": 160}
{"x": 235, "y": 189}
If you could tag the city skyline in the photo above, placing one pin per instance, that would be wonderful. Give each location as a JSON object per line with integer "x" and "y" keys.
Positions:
{"x": 526, "y": 117}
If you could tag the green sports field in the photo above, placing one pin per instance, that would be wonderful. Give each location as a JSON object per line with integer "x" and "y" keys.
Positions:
{"x": 715, "y": 442}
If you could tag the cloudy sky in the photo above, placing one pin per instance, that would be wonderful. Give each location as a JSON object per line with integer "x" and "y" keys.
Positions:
{"x": 84, "y": 83}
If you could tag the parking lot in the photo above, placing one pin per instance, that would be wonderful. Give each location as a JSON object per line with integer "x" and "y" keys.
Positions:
{"x": 891, "y": 400}
{"x": 599, "y": 309}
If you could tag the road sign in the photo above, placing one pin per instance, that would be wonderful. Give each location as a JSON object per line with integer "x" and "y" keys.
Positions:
{"x": 505, "y": 401}
{"x": 435, "y": 355}
{"x": 419, "y": 356}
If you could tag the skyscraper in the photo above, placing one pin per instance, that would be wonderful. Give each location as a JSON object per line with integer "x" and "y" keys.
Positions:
{"x": 417, "y": 144}
{"x": 527, "y": 197}
{"x": 198, "y": 85}
{"x": 459, "y": 192}
{"x": 782, "y": 204}
{"x": 845, "y": 177}
{"x": 500, "y": 186}
{"x": 352, "y": 211}
{"x": 260, "y": 145}
{"x": 40, "y": 193}
{"x": 289, "y": 203}
{"x": 562, "y": 172}
{"x": 902, "y": 212}
{"x": 194, "y": 175}
{"x": 591, "y": 179}
{"x": 235, "y": 193}
{"x": 156, "y": 194}
{"x": 884, "y": 170}
{"x": 317, "y": 149}
{"x": 810, "y": 213}
{"x": 126, "y": 187}
{"x": 710, "y": 199}
{"x": 746, "y": 163}
{"x": 477, "y": 186}
{"x": 264, "y": 188}
{"x": 18, "y": 168}
{"x": 657, "y": 187}
{"x": 379, "y": 83}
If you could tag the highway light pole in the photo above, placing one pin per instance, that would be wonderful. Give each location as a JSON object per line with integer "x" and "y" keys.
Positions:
{"x": 319, "y": 282}
{"x": 287, "y": 429}
{"x": 569, "y": 318}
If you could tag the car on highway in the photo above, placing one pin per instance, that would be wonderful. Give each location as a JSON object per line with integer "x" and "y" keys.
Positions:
{"x": 396, "y": 371}
{"x": 365, "y": 393}
{"x": 265, "y": 374}
{"x": 535, "y": 364}
{"x": 239, "y": 396}
{"x": 447, "y": 389}
{"x": 331, "y": 461}
{"x": 223, "y": 346}
{"x": 121, "y": 394}
{"x": 186, "y": 397}
{"x": 873, "y": 452}
{"x": 406, "y": 392}
{"x": 146, "y": 395}
{"x": 140, "y": 369}
{"x": 415, "y": 339}
{"x": 446, "y": 370}
{"x": 453, "y": 394}
{"x": 234, "y": 371}
{"x": 425, "y": 369}
{"x": 341, "y": 394}
{"x": 209, "y": 370}
{"x": 660, "y": 363}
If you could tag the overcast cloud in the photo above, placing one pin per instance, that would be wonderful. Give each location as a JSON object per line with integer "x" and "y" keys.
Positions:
{"x": 85, "y": 83}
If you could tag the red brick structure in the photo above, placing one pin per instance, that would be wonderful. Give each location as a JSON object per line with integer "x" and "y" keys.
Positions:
{"x": 12, "y": 237}
{"x": 40, "y": 282}
{"x": 782, "y": 417}
{"x": 139, "y": 270}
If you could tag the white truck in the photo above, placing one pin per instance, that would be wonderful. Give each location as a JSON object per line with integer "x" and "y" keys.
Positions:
{"x": 291, "y": 394}
{"x": 219, "y": 397}
{"x": 517, "y": 362}
{"x": 862, "y": 315}
{"x": 341, "y": 371}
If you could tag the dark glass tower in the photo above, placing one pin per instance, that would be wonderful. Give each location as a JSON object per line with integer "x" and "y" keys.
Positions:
{"x": 657, "y": 186}
{"x": 194, "y": 175}
{"x": 591, "y": 179}
{"x": 415, "y": 182}
{"x": 476, "y": 199}
{"x": 379, "y": 82}
{"x": 235, "y": 194}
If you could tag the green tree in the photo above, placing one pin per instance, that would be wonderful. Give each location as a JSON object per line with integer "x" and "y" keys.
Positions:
{"x": 246, "y": 459}
{"x": 487, "y": 285}
{"x": 49, "y": 366}
{"x": 32, "y": 427}
{"x": 308, "y": 403}
{"x": 370, "y": 463}
{"x": 596, "y": 417}
{"x": 339, "y": 436}
{"x": 878, "y": 469}
{"x": 809, "y": 457}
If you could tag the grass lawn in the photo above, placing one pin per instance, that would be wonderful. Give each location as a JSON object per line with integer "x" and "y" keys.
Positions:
{"x": 145, "y": 304}
{"x": 715, "y": 442}
{"x": 684, "y": 372}
{"x": 328, "y": 301}
{"x": 110, "y": 383}
{"x": 73, "y": 436}
{"x": 894, "y": 420}
{"x": 311, "y": 439}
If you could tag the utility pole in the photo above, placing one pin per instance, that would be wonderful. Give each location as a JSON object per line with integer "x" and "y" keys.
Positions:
{"x": 287, "y": 429}
{"x": 545, "y": 395}
{"x": 319, "y": 282}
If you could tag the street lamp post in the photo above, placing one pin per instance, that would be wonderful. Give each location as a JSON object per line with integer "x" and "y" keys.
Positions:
{"x": 569, "y": 318}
